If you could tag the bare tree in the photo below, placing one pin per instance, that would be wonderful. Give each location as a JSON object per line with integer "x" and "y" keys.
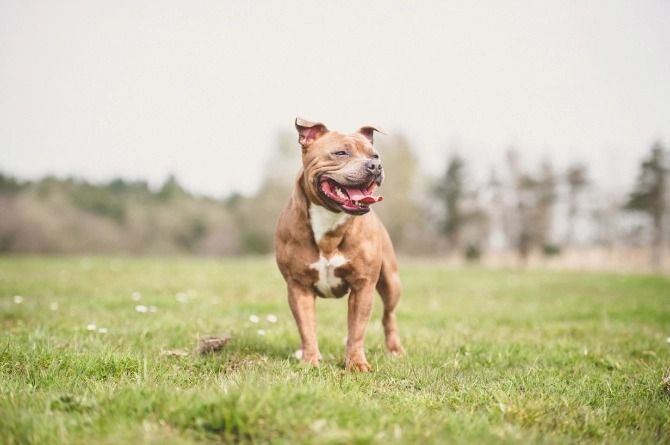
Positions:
{"x": 402, "y": 212}
{"x": 518, "y": 215}
{"x": 545, "y": 198}
{"x": 534, "y": 199}
{"x": 495, "y": 204}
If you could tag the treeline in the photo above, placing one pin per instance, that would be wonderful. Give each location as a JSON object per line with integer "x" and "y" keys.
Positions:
{"x": 542, "y": 211}
{"x": 545, "y": 211}
{"x": 74, "y": 216}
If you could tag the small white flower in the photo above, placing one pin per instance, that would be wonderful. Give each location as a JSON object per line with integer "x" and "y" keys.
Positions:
{"x": 667, "y": 340}
{"x": 272, "y": 318}
{"x": 136, "y": 296}
{"x": 102, "y": 330}
{"x": 53, "y": 306}
{"x": 153, "y": 309}
{"x": 141, "y": 308}
{"x": 182, "y": 297}
{"x": 91, "y": 327}
{"x": 18, "y": 299}
{"x": 254, "y": 318}
{"x": 298, "y": 354}
{"x": 261, "y": 332}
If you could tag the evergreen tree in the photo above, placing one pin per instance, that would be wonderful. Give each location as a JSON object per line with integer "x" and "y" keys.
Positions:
{"x": 650, "y": 196}
{"x": 170, "y": 189}
{"x": 452, "y": 193}
{"x": 576, "y": 178}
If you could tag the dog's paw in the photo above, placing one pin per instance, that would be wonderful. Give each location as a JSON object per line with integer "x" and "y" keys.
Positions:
{"x": 393, "y": 345}
{"x": 311, "y": 359}
{"x": 357, "y": 365}
{"x": 396, "y": 350}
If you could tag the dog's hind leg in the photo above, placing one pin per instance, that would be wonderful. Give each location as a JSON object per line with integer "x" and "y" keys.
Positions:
{"x": 389, "y": 288}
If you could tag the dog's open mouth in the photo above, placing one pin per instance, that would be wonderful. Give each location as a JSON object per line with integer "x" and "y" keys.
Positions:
{"x": 352, "y": 199}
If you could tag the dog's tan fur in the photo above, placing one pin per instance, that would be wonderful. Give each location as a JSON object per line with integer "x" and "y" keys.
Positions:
{"x": 361, "y": 242}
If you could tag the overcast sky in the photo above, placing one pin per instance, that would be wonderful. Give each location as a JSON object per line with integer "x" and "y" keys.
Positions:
{"x": 201, "y": 88}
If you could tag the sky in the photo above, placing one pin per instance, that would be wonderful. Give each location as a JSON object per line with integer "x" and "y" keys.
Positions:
{"x": 99, "y": 89}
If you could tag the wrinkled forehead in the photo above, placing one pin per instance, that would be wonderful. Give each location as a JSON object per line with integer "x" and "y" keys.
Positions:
{"x": 355, "y": 143}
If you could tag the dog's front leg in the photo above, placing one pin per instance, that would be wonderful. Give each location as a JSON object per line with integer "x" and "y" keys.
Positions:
{"x": 360, "y": 308}
{"x": 303, "y": 306}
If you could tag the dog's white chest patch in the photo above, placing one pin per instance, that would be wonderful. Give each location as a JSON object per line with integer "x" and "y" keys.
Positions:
{"x": 323, "y": 221}
{"x": 328, "y": 281}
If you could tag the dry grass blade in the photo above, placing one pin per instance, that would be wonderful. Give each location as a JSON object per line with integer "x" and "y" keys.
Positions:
{"x": 174, "y": 353}
{"x": 212, "y": 343}
{"x": 665, "y": 383}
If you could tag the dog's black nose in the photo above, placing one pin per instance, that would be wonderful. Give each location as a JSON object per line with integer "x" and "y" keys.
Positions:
{"x": 374, "y": 166}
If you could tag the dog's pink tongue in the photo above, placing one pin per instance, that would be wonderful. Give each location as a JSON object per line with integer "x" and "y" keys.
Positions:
{"x": 363, "y": 196}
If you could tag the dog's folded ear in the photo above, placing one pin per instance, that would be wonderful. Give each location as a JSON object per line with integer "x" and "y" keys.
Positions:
{"x": 309, "y": 132}
{"x": 369, "y": 132}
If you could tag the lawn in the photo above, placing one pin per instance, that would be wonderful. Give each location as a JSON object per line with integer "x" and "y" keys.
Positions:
{"x": 495, "y": 356}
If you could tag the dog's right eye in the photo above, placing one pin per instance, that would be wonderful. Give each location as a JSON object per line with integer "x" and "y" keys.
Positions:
{"x": 340, "y": 153}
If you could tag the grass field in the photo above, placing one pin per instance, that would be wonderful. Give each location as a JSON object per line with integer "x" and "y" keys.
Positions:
{"x": 494, "y": 357}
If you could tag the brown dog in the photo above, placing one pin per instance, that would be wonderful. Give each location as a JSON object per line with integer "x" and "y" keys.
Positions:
{"x": 329, "y": 243}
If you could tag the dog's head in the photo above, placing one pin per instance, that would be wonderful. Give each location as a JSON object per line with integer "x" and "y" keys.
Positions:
{"x": 341, "y": 172}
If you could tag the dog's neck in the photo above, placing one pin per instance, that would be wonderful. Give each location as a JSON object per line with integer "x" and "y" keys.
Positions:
{"x": 324, "y": 221}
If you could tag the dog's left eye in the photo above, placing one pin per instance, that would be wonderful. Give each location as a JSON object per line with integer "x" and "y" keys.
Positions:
{"x": 340, "y": 153}
{"x": 376, "y": 156}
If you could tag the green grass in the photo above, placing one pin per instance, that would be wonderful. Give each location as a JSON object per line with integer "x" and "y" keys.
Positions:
{"x": 494, "y": 357}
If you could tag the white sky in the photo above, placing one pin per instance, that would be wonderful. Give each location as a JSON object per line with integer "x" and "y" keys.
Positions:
{"x": 201, "y": 88}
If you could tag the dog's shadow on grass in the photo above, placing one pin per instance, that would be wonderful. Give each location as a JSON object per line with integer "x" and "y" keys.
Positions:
{"x": 250, "y": 349}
